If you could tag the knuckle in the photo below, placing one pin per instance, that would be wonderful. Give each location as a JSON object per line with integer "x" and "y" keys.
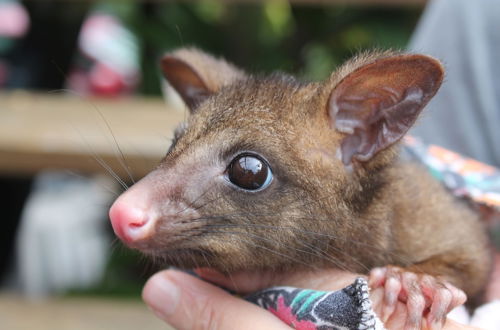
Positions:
{"x": 413, "y": 288}
{"x": 429, "y": 280}
{"x": 412, "y": 277}
{"x": 394, "y": 271}
{"x": 416, "y": 302}
{"x": 393, "y": 284}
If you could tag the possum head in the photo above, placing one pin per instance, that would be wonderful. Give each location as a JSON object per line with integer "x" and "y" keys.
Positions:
{"x": 270, "y": 172}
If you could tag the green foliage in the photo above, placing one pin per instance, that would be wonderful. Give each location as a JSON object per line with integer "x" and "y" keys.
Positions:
{"x": 272, "y": 35}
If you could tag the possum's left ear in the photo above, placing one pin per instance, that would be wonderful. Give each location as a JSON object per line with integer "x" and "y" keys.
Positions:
{"x": 376, "y": 104}
{"x": 195, "y": 75}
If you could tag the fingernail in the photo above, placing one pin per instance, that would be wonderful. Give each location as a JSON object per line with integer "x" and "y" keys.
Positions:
{"x": 162, "y": 296}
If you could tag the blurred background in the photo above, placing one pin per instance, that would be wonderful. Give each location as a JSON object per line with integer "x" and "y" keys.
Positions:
{"x": 82, "y": 116}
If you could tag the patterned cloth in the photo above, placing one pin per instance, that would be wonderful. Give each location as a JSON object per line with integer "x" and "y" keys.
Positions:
{"x": 465, "y": 177}
{"x": 302, "y": 309}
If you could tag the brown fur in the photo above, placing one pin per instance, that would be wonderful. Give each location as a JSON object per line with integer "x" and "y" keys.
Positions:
{"x": 317, "y": 212}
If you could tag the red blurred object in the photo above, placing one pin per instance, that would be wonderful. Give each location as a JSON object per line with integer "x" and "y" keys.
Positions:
{"x": 108, "y": 63}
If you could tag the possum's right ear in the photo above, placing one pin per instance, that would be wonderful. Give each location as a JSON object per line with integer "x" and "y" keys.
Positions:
{"x": 196, "y": 75}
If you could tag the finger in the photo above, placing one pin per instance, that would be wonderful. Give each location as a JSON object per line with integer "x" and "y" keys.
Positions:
{"x": 415, "y": 302}
{"x": 376, "y": 277}
{"x": 440, "y": 307}
{"x": 392, "y": 289}
{"x": 186, "y": 302}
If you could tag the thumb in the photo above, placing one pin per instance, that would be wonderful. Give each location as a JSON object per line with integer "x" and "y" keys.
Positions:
{"x": 186, "y": 302}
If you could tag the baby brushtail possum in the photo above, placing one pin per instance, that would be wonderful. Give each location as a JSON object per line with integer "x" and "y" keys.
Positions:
{"x": 270, "y": 173}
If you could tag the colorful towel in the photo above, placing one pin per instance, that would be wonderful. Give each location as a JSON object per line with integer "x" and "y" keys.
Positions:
{"x": 465, "y": 177}
{"x": 302, "y": 309}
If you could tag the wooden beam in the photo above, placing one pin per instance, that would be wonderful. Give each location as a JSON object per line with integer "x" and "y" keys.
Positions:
{"x": 56, "y": 131}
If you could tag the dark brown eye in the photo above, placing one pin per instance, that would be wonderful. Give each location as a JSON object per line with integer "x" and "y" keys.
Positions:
{"x": 249, "y": 172}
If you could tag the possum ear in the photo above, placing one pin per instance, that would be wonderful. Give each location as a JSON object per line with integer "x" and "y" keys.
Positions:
{"x": 376, "y": 104}
{"x": 196, "y": 75}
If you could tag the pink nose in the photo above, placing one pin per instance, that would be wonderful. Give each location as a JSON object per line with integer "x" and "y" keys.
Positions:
{"x": 130, "y": 223}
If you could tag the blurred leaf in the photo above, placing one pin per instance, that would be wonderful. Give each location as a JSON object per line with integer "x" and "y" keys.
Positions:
{"x": 279, "y": 15}
{"x": 124, "y": 9}
{"x": 356, "y": 37}
{"x": 271, "y": 35}
{"x": 211, "y": 11}
{"x": 319, "y": 62}
{"x": 275, "y": 25}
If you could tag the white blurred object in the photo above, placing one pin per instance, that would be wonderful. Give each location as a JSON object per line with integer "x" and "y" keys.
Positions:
{"x": 460, "y": 315}
{"x": 62, "y": 241}
{"x": 487, "y": 316}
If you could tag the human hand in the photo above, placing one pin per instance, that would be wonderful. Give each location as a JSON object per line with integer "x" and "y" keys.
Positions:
{"x": 186, "y": 302}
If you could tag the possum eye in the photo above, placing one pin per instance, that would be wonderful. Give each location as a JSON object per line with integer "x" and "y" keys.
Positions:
{"x": 249, "y": 172}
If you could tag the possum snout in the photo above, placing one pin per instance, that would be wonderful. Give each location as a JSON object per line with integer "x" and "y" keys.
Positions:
{"x": 148, "y": 210}
{"x": 156, "y": 212}
{"x": 132, "y": 216}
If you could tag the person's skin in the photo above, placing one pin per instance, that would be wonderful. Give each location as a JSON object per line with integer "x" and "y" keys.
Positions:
{"x": 186, "y": 302}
